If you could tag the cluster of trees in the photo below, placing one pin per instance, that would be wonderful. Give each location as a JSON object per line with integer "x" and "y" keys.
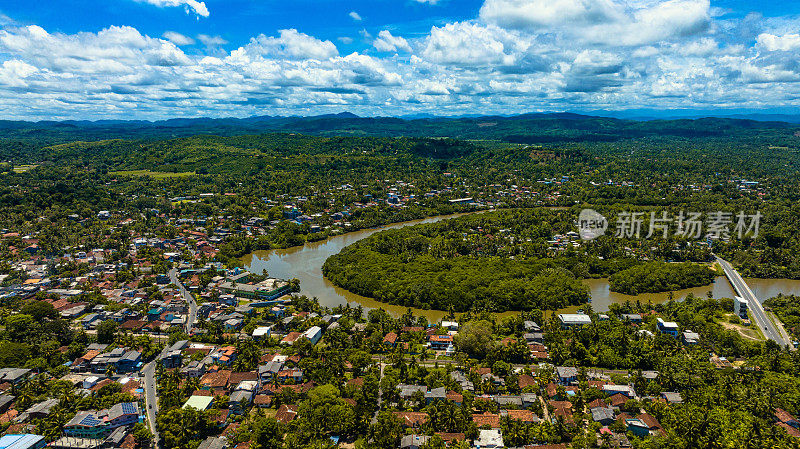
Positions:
{"x": 505, "y": 260}
{"x": 787, "y": 309}
{"x": 656, "y": 277}
{"x": 425, "y": 282}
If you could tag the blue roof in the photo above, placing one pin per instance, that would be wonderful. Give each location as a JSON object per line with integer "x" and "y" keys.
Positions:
{"x": 20, "y": 441}
{"x": 90, "y": 421}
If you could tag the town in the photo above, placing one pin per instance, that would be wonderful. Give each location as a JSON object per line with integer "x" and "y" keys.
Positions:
{"x": 167, "y": 345}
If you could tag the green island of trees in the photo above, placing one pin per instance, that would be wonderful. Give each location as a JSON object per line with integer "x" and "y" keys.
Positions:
{"x": 519, "y": 259}
{"x": 657, "y": 277}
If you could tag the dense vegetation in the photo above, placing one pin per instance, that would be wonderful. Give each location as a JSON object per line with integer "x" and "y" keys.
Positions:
{"x": 660, "y": 277}
{"x": 461, "y": 263}
{"x": 483, "y": 262}
{"x": 787, "y": 309}
{"x": 505, "y": 260}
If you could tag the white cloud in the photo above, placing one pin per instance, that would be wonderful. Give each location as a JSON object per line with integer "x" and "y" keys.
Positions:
{"x": 389, "y": 43}
{"x": 771, "y": 42}
{"x": 613, "y": 22}
{"x": 211, "y": 41}
{"x": 14, "y": 72}
{"x": 429, "y": 2}
{"x": 467, "y": 44}
{"x": 112, "y": 50}
{"x": 355, "y": 16}
{"x": 543, "y": 13}
{"x": 609, "y": 54}
{"x": 178, "y": 38}
{"x": 191, "y": 6}
{"x": 290, "y": 44}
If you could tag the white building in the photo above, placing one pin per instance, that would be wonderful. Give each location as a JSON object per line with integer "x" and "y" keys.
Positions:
{"x": 489, "y": 439}
{"x": 574, "y": 320}
{"x": 262, "y": 332}
{"x": 313, "y": 334}
{"x": 90, "y": 381}
{"x": 450, "y": 325}
{"x": 740, "y": 307}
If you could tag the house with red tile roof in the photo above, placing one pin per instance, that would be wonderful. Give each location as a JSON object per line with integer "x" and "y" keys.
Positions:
{"x": 487, "y": 419}
{"x": 413, "y": 420}
{"x": 390, "y": 339}
{"x": 286, "y": 413}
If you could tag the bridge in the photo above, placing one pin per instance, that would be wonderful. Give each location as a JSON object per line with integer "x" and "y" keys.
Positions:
{"x": 768, "y": 328}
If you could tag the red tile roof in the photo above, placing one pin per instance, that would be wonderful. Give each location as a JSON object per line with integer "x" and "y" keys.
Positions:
{"x": 487, "y": 419}
{"x": 286, "y": 413}
{"x": 412, "y": 419}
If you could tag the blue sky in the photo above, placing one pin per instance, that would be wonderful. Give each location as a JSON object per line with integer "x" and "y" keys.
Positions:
{"x": 152, "y": 59}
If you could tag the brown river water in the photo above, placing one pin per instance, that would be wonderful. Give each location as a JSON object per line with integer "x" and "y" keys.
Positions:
{"x": 305, "y": 263}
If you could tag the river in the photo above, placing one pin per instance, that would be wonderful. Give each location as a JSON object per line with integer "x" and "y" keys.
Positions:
{"x": 305, "y": 263}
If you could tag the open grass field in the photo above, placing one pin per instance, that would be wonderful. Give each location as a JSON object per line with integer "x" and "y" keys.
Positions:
{"x": 24, "y": 168}
{"x": 152, "y": 174}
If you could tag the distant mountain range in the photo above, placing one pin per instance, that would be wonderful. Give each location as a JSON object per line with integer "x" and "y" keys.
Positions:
{"x": 600, "y": 126}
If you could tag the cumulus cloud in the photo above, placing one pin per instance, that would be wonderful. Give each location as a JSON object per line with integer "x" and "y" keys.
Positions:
{"x": 191, "y": 6}
{"x": 112, "y": 50}
{"x": 290, "y": 44}
{"x": 387, "y": 42}
{"x": 178, "y": 38}
{"x": 468, "y": 44}
{"x": 771, "y": 42}
{"x": 624, "y": 22}
{"x": 515, "y": 56}
{"x": 545, "y": 13}
{"x": 355, "y": 16}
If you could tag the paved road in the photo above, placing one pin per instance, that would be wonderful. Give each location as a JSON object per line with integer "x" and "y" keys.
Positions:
{"x": 188, "y": 297}
{"x": 150, "y": 396}
{"x": 759, "y": 315}
{"x": 380, "y": 395}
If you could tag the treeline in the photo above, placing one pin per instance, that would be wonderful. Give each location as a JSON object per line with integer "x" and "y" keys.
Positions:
{"x": 787, "y": 309}
{"x": 656, "y": 277}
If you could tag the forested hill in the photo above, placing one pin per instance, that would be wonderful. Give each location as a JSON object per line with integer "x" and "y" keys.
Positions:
{"x": 528, "y": 129}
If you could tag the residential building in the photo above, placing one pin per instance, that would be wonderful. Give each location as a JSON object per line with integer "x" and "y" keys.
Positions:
{"x": 413, "y": 441}
{"x": 100, "y": 424}
{"x": 199, "y": 402}
{"x": 313, "y": 334}
{"x": 440, "y": 342}
{"x": 22, "y": 441}
{"x": 262, "y": 332}
{"x": 690, "y": 338}
{"x": 637, "y": 427}
{"x": 570, "y": 320}
{"x": 489, "y": 439}
{"x": 567, "y": 375}
{"x": 667, "y": 327}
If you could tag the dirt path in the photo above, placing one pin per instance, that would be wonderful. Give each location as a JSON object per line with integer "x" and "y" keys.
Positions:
{"x": 739, "y": 330}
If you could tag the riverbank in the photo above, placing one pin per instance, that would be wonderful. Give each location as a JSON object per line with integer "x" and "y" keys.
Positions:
{"x": 305, "y": 263}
